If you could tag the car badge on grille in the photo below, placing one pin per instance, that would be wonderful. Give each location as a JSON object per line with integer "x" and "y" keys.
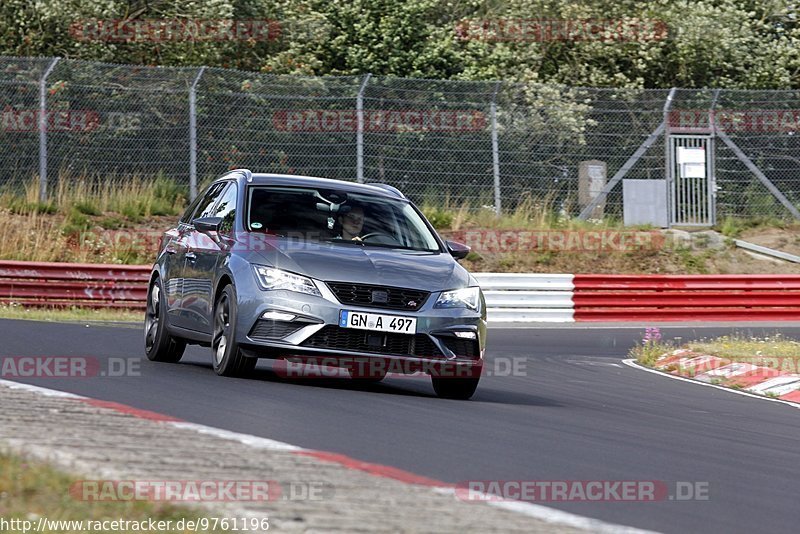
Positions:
{"x": 380, "y": 297}
{"x": 412, "y": 304}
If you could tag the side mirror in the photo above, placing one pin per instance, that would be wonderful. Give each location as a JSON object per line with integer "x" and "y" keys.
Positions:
{"x": 458, "y": 250}
{"x": 207, "y": 225}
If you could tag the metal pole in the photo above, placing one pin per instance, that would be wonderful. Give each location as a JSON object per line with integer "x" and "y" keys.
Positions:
{"x": 360, "y": 130}
{"x": 43, "y": 131}
{"x": 496, "y": 153}
{"x": 668, "y": 166}
{"x": 193, "y": 135}
{"x": 712, "y": 161}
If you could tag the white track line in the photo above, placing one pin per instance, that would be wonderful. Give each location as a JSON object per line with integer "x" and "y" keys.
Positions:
{"x": 550, "y": 515}
{"x": 247, "y": 439}
{"x": 39, "y": 390}
{"x": 632, "y": 363}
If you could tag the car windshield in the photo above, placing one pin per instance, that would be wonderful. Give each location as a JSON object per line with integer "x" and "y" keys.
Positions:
{"x": 317, "y": 214}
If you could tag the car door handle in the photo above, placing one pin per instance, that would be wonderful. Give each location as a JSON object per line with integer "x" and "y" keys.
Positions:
{"x": 191, "y": 256}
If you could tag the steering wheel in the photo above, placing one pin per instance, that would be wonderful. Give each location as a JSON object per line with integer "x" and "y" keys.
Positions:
{"x": 380, "y": 237}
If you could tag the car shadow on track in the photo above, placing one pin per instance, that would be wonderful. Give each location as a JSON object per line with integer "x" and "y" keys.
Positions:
{"x": 398, "y": 385}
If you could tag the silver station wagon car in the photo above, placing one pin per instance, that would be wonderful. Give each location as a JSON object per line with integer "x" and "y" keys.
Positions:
{"x": 307, "y": 270}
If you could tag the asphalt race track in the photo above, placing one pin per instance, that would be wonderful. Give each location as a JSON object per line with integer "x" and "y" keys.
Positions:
{"x": 573, "y": 412}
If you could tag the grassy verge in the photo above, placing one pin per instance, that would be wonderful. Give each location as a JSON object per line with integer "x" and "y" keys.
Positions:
{"x": 737, "y": 348}
{"x": 31, "y": 489}
{"x": 734, "y": 227}
{"x": 69, "y": 314}
{"x": 88, "y": 221}
{"x": 560, "y": 248}
{"x": 740, "y": 348}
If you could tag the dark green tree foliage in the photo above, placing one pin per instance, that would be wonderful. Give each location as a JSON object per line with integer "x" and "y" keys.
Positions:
{"x": 700, "y": 43}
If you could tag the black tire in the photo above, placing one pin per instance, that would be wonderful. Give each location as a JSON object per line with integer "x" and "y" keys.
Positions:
{"x": 227, "y": 357}
{"x": 455, "y": 388}
{"x": 159, "y": 345}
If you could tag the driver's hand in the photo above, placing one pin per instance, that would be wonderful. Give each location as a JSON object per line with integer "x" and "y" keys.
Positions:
{"x": 357, "y": 238}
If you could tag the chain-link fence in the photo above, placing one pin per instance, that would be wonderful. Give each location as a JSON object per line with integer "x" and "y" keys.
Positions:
{"x": 483, "y": 143}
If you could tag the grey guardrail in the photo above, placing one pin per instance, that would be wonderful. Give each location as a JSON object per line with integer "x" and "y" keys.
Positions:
{"x": 766, "y": 251}
{"x": 512, "y": 297}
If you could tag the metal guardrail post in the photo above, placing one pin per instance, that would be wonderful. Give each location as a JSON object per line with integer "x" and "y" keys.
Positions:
{"x": 360, "y": 129}
{"x": 495, "y": 152}
{"x": 193, "y": 135}
{"x": 43, "y": 131}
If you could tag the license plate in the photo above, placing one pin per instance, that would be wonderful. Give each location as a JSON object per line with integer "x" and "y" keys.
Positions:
{"x": 378, "y": 322}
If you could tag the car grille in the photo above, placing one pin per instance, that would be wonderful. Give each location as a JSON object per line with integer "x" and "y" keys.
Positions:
{"x": 396, "y": 298}
{"x": 265, "y": 330}
{"x": 346, "y": 339}
{"x": 463, "y": 348}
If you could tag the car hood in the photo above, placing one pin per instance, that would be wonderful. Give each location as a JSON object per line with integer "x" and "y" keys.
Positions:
{"x": 364, "y": 265}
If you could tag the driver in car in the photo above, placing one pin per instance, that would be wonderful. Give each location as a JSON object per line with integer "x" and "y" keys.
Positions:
{"x": 351, "y": 224}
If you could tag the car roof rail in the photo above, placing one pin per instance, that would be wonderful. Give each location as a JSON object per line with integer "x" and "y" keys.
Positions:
{"x": 389, "y": 188}
{"x": 247, "y": 173}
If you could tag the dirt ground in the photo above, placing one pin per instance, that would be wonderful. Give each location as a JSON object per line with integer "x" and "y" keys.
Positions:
{"x": 694, "y": 256}
{"x": 783, "y": 239}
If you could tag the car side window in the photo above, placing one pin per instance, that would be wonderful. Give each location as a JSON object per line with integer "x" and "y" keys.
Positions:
{"x": 186, "y": 218}
{"x": 204, "y": 207}
{"x": 226, "y": 209}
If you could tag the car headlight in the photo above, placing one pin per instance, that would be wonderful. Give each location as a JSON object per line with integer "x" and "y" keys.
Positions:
{"x": 468, "y": 297}
{"x": 270, "y": 278}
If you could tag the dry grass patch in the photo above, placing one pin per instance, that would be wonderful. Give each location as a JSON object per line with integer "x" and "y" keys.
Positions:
{"x": 31, "y": 489}
{"x": 69, "y": 315}
{"x": 740, "y": 348}
{"x": 776, "y": 351}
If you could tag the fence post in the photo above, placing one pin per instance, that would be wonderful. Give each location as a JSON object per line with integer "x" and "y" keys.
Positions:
{"x": 43, "y": 131}
{"x": 193, "y": 135}
{"x": 669, "y": 168}
{"x": 712, "y": 167}
{"x": 495, "y": 152}
{"x": 360, "y": 129}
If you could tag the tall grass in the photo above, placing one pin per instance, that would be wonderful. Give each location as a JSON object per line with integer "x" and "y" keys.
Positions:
{"x": 529, "y": 214}
{"x": 31, "y": 237}
{"x": 38, "y": 237}
{"x": 69, "y": 226}
{"x": 134, "y": 198}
